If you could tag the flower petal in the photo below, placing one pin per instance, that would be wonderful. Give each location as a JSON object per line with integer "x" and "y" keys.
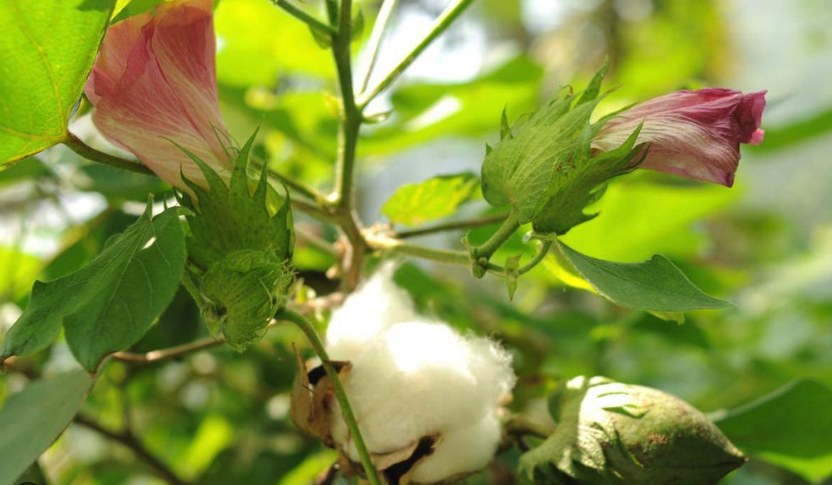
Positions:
{"x": 695, "y": 134}
{"x": 154, "y": 86}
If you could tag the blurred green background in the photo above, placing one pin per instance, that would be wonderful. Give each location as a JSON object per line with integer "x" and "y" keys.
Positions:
{"x": 219, "y": 417}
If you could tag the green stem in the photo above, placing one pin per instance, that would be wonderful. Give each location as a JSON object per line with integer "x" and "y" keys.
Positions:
{"x": 338, "y": 388}
{"x": 489, "y": 247}
{"x": 442, "y": 23}
{"x": 383, "y": 243}
{"x": 374, "y": 47}
{"x": 297, "y": 186}
{"x": 76, "y": 145}
{"x": 542, "y": 251}
{"x": 341, "y": 200}
{"x": 304, "y": 17}
{"x": 452, "y": 226}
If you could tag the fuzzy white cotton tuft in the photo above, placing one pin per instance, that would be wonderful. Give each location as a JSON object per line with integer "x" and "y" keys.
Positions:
{"x": 373, "y": 308}
{"x": 416, "y": 379}
{"x": 461, "y": 451}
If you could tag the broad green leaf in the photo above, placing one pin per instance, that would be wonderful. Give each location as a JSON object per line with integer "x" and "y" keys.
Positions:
{"x": 791, "y": 427}
{"x": 34, "y": 418}
{"x": 109, "y": 304}
{"x": 435, "y": 198}
{"x": 47, "y": 48}
{"x": 655, "y": 285}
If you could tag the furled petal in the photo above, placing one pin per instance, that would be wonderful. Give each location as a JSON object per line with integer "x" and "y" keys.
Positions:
{"x": 695, "y": 134}
{"x": 154, "y": 83}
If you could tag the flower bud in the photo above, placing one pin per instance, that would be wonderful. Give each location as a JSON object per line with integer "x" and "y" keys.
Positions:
{"x": 616, "y": 433}
{"x": 155, "y": 81}
{"x": 546, "y": 170}
{"x": 694, "y": 134}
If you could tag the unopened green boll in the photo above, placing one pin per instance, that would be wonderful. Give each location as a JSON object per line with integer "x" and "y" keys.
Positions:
{"x": 614, "y": 433}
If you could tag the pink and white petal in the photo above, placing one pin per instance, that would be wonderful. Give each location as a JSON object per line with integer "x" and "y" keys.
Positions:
{"x": 184, "y": 46}
{"x": 127, "y": 118}
{"x": 111, "y": 63}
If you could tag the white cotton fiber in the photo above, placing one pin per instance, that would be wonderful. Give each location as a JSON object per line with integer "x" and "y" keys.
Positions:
{"x": 376, "y": 305}
{"x": 414, "y": 379}
{"x": 461, "y": 451}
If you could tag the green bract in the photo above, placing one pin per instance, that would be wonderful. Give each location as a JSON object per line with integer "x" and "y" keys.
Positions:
{"x": 613, "y": 433}
{"x": 240, "y": 253}
{"x": 545, "y": 168}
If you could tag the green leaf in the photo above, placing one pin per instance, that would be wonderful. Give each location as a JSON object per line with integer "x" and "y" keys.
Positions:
{"x": 34, "y": 418}
{"x": 109, "y": 304}
{"x": 435, "y": 198}
{"x": 47, "y": 48}
{"x": 791, "y": 427}
{"x": 656, "y": 285}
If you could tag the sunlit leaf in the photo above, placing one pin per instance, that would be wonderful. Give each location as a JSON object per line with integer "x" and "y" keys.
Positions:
{"x": 435, "y": 198}
{"x": 47, "y": 48}
{"x": 655, "y": 285}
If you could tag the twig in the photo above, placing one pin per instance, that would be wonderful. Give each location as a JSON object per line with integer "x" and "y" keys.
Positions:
{"x": 169, "y": 353}
{"x": 451, "y": 226}
{"x": 297, "y": 186}
{"x": 76, "y": 145}
{"x": 127, "y": 439}
{"x": 375, "y": 40}
{"x": 183, "y": 350}
{"x": 304, "y": 17}
{"x": 442, "y": 23}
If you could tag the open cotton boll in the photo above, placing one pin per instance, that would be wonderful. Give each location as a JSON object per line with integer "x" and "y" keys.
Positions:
{"x": 419, "y": 380}
{"x": 373, "y": 308}
{"x": 461, "y": 451}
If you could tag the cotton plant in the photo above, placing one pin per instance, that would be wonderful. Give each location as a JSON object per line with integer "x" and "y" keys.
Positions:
{"x": 402, "y": 396}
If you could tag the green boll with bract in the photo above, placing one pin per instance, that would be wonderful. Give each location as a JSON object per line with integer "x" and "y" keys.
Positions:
{"x": 240, "y": 251}
{"x": 616, "y": 434}
{"x": 544, "y": 167}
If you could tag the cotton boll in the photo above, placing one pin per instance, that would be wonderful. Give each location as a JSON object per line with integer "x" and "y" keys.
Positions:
{"x": 373, "y": 308}
{"x": 461, "y": 451}
{"x": 420, "y": 379}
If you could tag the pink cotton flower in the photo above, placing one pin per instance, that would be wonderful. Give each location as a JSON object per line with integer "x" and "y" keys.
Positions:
{"x": 154, "y": 83}
{"x": 695, "y": 134}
